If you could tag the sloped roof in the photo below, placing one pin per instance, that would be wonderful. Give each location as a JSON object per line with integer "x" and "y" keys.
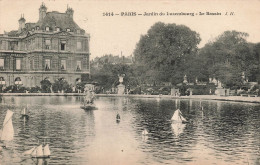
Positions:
{"x": 29, "y": 25}
{"x": 13, "y": 33}
{"x": 56, "y": 19}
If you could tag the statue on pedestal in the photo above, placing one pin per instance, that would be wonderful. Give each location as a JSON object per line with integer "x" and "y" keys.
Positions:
{"x": 121, "y": 87}
{"x": 219, "y": 84}
{"x": 185, "y": 79}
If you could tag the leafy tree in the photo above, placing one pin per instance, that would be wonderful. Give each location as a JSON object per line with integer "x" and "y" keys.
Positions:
{"x": 256, "y": 70}
{"x": 61, "y": 85}
{"x": 227, "y": 57}
{"x": 165, "y": 50}
{"x": 46, "y": 86}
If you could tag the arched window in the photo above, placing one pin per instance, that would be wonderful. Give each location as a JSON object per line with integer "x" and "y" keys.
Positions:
{"x": 18, "y": 81}
{"x": 47, "y": 78}
{"x": 2, "y": 80}
{"x": 78, "y": 80}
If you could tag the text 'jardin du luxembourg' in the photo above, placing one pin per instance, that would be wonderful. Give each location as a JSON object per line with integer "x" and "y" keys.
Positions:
{"x": 131, "y": 13}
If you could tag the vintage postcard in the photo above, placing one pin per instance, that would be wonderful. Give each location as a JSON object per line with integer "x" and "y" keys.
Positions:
{"x": 142, "y": 82}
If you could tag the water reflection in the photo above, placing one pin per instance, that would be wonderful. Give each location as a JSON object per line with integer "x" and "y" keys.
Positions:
{"x": 220, "y": 132}
{"x": 178, "y": 128}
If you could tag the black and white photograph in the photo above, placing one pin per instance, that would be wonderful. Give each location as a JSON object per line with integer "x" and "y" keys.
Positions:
{"x": 130, "y": 82}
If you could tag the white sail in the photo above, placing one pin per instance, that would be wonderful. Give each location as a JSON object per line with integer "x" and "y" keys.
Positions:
{"x": 30, "y": 152}
{"x": 177, "y": 116}
{"x": 46, "y": 150}
{"x": 145, "y": 132}
{"x": 8, "y": 129}
{"x": 39, "y": 152}
{"x": 34, "y": 152}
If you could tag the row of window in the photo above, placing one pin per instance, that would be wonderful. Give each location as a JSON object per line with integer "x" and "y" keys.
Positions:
{"x": 62, "y": 44}
{"x": 63, "y": 65}
{"x": 17, "y": 64}
{"x": 16, "y": 81}
{"x": 47, "y": 29}
{"x": 47, "y": 64}
{"x": 12, "y": 45}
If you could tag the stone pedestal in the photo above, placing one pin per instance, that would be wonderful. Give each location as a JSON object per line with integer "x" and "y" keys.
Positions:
{"x": 175, "y": 92}
{"x": 120, "y": 89}
{"x": 222, "y": 91}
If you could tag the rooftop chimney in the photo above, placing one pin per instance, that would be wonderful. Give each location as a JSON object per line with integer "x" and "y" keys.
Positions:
{"x": 69, "y": 11}
{"x": 42, "y": 11}
{"x": 21, "y": 23}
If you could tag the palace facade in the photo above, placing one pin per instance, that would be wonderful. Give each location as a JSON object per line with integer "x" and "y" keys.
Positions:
{"x": 52, "y": 48}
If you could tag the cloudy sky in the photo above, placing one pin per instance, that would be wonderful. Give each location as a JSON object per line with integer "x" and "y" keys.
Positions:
{"x": 113, "y": 34}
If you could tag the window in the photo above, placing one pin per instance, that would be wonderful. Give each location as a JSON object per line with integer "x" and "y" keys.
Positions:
{"x": 63, "y": 45}
{"x": 47, "y": 64}
{"x": 13, "y": 45}
{"x": 47, "y": 28}
{"x": 31, "y": 63}
{"x": 79, "y": 45}
{"x": 68, "y": 30}
{"x": 47, "y": 43}
{"x": 18, "y": 64}
{"x": 18, "y": 81}
{"x": 2, "y": 80}
{"x": 37, "y": 28}
{"x": 78, "y": 66}
{"x": 57, "y": 29}
{"x": 63, "y": 64}
{"x": 33, "y": 29}
{"x": 78, "y": 31}
{"x": 2, "y": 63}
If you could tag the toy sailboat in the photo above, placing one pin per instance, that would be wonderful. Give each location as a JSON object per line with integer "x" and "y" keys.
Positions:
{"x": 118, "y": 117}
{"x": 145, "y": 132}
{"x": 39, "y": 151}
{"x": 177, "y": 117}
{"x": 7, "y": 132}
{"x": 25, "y": 112}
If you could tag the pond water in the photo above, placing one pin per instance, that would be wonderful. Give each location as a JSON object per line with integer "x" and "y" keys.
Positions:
{"x": 217, "y": 132}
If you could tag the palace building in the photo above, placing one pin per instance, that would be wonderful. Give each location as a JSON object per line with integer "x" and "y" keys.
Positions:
{"x": 54, "y": 47}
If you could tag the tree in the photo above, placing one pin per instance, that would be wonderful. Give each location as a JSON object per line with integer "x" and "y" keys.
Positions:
{"x": 61, "y": 85}
{"x": 256, "y": 71}
{"x": 165, "y": 50}
{"x": 46, "y": 86}
{"x": 227, "y": 57}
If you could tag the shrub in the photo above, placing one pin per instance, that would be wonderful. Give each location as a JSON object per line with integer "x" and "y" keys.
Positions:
{"x": 61, "y": 85}
{"x": 46, "y": 86}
